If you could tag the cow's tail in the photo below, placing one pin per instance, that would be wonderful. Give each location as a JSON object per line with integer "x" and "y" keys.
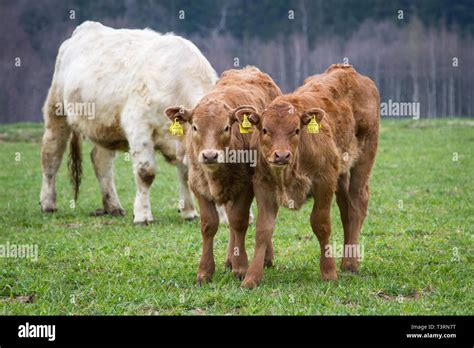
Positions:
{"x": 75, "y": 163}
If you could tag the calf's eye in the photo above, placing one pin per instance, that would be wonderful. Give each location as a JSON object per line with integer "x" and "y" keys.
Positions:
{"x": 297, "y": 131}
{"x": 194, "y": 128}
{"x": 264, "y": 131}
{"x": 226, "y": 129}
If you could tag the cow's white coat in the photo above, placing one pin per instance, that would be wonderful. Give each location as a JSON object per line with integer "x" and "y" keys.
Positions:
{"x": 130, "y": 77}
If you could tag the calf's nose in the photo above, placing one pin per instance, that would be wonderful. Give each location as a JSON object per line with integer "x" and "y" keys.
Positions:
{"x": 282, "y": 157}
{"x": 210, "y": 156}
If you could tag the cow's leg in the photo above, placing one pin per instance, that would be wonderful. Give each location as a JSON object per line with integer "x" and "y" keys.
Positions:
{"x": 186, "y": 204}
{"x": 103, "y": 162}
{"x": 238, "y": 214}
{"x": 267, "y": 207}
{"x": 321, "y": 225}
{"x": 359, "y": 199}
{"x": 142, "y": 151}
{"x": 209, "y": 226}
{"x": 55, "y": 137}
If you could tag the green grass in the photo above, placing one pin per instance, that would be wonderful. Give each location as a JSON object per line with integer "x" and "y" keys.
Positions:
{"x": 417, "y": 260}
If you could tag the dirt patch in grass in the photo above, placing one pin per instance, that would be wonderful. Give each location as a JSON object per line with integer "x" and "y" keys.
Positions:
{"x": 414, "y": 295}
{"x": 20, "y": 299}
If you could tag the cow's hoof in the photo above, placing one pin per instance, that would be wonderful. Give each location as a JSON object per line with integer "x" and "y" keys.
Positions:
{"x": 98, "y": 212}
{"x": 143, "y": 219}
{"x": 143, "y": 223}
{"x": 249, "y": 283}
{"x": 113, "y": 212}
{"x": 117, "y": 212}
{"x": 188, "y": 215}
{"x": 191, "y": 218}
{"x": 49, "y": 210}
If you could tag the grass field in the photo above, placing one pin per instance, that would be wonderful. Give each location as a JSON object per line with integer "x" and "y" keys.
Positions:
{"x": 417, "y": 240}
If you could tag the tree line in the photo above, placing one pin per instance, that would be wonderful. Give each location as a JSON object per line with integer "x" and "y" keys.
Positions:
{"x": 415, "y": 51}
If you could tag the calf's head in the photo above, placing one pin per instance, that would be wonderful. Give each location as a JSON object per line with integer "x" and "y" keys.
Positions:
{"x": 211, "y": 126}
{"x": 280, "y": 127}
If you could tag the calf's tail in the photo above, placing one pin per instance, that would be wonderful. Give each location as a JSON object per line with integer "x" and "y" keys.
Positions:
{"x": 75, "y": 163}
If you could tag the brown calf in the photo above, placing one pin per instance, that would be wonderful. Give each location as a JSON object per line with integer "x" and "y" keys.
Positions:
{"x": 212, "y": 136}
{"x": 295, "y": 163}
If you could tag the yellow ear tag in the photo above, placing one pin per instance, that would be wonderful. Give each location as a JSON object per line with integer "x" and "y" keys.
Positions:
{"x": 246, "y": 126}
{"x": 313, "y": 126}
{"x": 176, "y": 129}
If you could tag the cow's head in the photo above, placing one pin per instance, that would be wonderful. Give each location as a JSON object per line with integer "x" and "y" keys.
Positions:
{"x": 211, "y": 126}
{"x": 280, "y": 127}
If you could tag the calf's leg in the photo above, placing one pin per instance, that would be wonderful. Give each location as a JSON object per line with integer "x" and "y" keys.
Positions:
{"x": 357, "y": 211}
{"x": 103, "y": 162}
{"x": 343, "y": 202}
{"x": 268, "y": 260}
{"x": 209, "y": 226}
{"x": 321, "y": 223}
{"x": 267, "y": 211}
{"x": 238, "y": 215}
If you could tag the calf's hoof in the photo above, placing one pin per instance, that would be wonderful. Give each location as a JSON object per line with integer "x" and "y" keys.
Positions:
{"x": 330, "y": 276}
{"x": 228, "y": 264}
{"x": 203, "y": 278}
{"x": 268, "y": 263}
{"x": 239, "y": 273}
{"x": 350, "y": 266}
{"x": 249, "y": 283}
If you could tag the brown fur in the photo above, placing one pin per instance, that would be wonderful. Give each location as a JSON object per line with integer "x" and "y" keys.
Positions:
{"x": 225, "y": 183}
{"x": 338, "y": 159}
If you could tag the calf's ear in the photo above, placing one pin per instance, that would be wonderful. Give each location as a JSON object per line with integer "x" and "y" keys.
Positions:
{"x": 179, "y": 112}
{"x": 246, "y": 110}
{"x": 307, "y": 116}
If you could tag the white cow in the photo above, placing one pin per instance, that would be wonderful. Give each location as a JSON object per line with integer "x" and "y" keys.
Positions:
{"x": 112, "y": 86}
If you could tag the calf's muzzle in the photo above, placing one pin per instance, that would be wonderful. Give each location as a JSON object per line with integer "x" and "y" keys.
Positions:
{"x": 281, "y": 157}
{"x": 210, "y": 156}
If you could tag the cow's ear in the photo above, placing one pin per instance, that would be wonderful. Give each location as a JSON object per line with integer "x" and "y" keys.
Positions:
{"x": 307, "y": 116}
{"x": 246, "y": 111}
{"x": 179, "y": 112}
